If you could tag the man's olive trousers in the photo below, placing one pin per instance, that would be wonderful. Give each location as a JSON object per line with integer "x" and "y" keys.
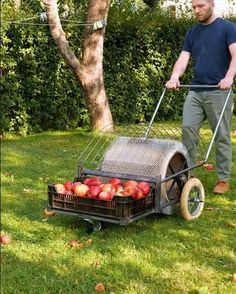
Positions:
{"x": 200, "y": 106}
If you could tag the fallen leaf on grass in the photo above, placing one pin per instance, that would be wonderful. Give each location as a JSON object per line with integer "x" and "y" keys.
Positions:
{"x": 77, "y": 243}
{"x": 48, "y": 213}
{"x": 44, "y": 220}
{"x": 210, "y": 208}
{"x": 96, "y": 264}
{"x": 9, "y": 175}
{"x": 234, "y": 133}
{"x": 232, "y": 225}
{"x": 89, "y": 242}
{"x": 27, "y": 190}
{"x": 44, "y": 179}
{"x": 100, "y": 287}
{"x": 203, "y": 290}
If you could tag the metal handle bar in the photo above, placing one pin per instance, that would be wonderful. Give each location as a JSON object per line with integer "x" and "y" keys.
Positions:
{"x": 193, "y": 86}
{"x": 198, "y": 86}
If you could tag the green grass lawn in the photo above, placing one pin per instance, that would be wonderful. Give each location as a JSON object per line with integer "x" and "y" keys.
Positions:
{"x": 157, "y": 254}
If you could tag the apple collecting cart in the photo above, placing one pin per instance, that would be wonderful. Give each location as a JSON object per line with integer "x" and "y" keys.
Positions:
{"x": 154, "y": 154}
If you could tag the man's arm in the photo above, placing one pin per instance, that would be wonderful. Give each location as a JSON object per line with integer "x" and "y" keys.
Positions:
{"x": 228, "y": 80}
{"x": 178, "y": 70}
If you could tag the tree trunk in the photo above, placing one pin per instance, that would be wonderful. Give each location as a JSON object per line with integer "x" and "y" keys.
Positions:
{"x": 89, "y": 72}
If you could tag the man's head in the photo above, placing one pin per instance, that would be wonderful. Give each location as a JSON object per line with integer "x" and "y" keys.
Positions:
{"x": 203, "y": 10}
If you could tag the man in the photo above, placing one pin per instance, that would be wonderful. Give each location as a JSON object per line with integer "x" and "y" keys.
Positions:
{"x": 212, "y": 46}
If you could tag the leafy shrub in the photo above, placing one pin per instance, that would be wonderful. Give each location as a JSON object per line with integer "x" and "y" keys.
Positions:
{"x": 39, "y": 91}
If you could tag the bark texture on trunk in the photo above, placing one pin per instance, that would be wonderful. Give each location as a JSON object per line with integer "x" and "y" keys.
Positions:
{"x": 88, "y": 71}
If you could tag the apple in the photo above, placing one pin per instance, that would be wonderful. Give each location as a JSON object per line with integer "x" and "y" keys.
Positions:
{"x": 108, "y": 188}
{"x": 94, "y": 181}
{"x": 145, "y": 187}
{"x": 119, "y": 190}
{"x": 115, "y": 182}
{"x": 99, "y": 287}
{"x": 73, "y": 243}
{"x": 86, "y": 181}
{"x": 106, "y": 195}
{"x": 130, "y": 191}
{"x": 68, "y": 185}
{"x": 233, "y": 277}
{"x": 208, "y": 166}
{"x": 81, "y": 190}
{"x": 60, "y": 188}
{"x": 140, "y": 193}
{"x": 94, "y": 191}
{"x": 131, "y": 183}
{"x": 4, "y": 239}
{"x": 75, "y": 184}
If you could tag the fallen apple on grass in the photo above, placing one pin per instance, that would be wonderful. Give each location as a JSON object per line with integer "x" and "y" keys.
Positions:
{"x": 233, "y": 278}
{"x": 5, "y": 239}
{"x": 99, "y": 287}
{"x": 73, "y": 243}
{"x": 208, "y": 166}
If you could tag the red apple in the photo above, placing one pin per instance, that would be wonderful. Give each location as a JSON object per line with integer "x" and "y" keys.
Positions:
{"x": 208, "y": 166}
{"x": 81, "y": 190}
{"x": 73, "y": 243}
{"x": 106, "y": 195}
{"x": 60, "y": 188}
{"x": 68, "y": 185}
{"x": 115, "y": 182}
{"x": 145, "y": 187}
{"x": 86, "y": 181}
{"x": 4, "y": 239}
{"x": 131, "y": 183}
{"x": 233, "y": 277}
{"x": 75, "y": 184}
{"x": 130, "y": 191}
{"x": 94, "y": 181}
{"x": 140, "y": 193}
{"x": 94, "y": 191}
{"x": 108, "y": 188}
{"x": 100, "y": 287}
{"x": 119, "y": 190}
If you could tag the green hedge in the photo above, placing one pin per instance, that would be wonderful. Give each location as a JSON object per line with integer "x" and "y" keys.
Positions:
{"x": 39, "y": 91}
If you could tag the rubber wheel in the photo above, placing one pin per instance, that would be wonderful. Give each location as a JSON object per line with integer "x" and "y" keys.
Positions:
{"x": 192, "y": 199}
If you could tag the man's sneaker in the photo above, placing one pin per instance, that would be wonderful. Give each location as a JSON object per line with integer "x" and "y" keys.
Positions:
{"x": 222, "y": 187}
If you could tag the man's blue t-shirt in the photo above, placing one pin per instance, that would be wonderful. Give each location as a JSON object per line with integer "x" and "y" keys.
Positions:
{"x": 208, "y": 46}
